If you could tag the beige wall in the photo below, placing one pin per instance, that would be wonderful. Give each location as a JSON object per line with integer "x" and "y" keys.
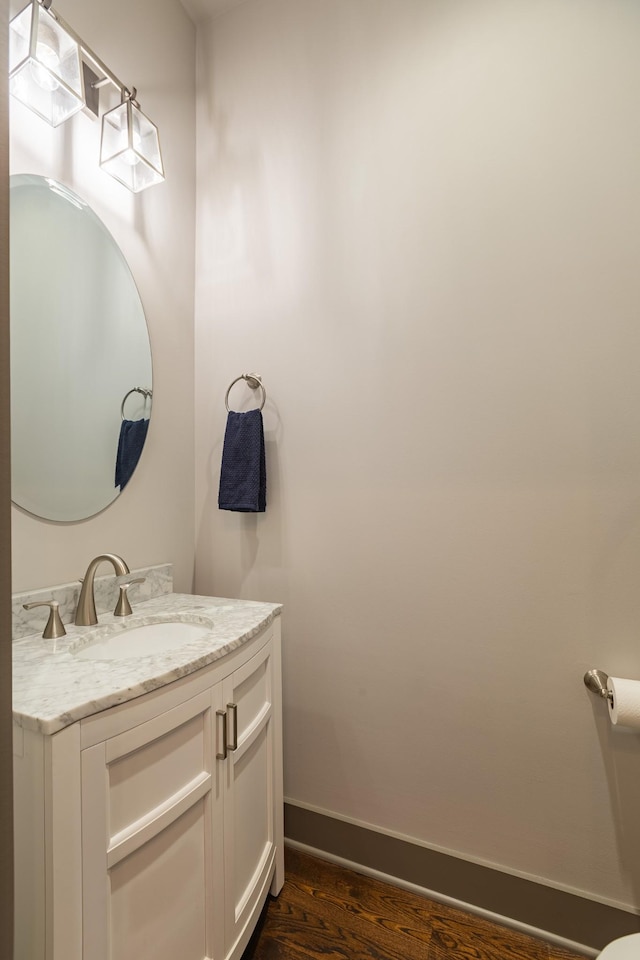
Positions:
{"x": 419, "y": 220}
{"x": 149, "y": 45}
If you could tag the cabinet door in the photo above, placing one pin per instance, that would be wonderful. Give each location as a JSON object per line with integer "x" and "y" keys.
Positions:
{"x": 249, "y": 836}
{"x": 151, "y": 834}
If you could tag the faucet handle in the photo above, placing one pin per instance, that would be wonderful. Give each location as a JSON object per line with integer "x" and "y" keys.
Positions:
{"x": 123, "y": 607}
{"x": 54, "y": 627}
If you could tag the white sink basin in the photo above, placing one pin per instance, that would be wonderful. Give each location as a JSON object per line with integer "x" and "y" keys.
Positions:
{"x": 143, "y": 641}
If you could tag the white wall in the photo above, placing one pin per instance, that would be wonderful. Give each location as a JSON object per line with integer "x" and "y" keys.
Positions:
{"x": 150, "y": 45}
{"x": 419, "y": 220}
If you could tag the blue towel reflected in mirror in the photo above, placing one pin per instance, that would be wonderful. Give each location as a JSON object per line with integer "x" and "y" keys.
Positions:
{"x": 133, "y": 434}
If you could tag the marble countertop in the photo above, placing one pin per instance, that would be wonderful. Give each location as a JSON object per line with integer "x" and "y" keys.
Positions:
{"x": 53, "y": 688}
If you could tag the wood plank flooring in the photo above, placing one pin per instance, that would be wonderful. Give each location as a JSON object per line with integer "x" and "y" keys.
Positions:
{"x": 328, "y": 913}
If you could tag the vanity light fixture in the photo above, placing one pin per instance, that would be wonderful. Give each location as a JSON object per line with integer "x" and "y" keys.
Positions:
{"x": 48, "y": 64}
{"x": 129, "y": 145}
{"x": 44, "y": 64}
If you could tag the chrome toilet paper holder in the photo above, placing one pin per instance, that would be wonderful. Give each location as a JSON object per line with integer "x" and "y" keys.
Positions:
{"x": 596, "y": 681}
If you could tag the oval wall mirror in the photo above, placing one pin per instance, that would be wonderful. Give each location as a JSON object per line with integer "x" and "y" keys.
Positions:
{"x": 80, "y": 356}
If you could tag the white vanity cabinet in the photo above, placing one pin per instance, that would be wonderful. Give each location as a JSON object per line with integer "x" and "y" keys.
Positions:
{"x": 160, "y": 831}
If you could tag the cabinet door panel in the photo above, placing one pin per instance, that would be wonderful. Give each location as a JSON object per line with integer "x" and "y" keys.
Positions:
{"x": 252, "y": 695}
{"x": 248, "y": 799}
{"x": 157, "y": 896}
{"x": 252, "y": 830}
{"x": 148, "y": 839}
{"x": 144, "y": 779}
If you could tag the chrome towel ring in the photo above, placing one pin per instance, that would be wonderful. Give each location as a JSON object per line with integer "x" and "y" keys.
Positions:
{"x": 252, "y": 380}
{"x": 145, "y": 391}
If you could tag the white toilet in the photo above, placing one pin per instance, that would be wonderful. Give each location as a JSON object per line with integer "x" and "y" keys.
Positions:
{"x": 626, "y": 948}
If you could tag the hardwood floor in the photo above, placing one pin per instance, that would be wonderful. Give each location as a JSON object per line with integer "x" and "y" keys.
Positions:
{"x": 325, "y": 911}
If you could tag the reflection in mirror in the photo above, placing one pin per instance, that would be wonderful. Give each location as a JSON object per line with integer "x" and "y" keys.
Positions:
{"x": 79, "y": 347}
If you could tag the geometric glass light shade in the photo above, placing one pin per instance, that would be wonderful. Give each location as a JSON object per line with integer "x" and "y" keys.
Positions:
{"x": 44, "y": 65}
{"x": 130, "y": 147}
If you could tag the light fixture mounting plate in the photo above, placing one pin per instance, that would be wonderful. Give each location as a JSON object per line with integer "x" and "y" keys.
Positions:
{"x": 91, "y": 92}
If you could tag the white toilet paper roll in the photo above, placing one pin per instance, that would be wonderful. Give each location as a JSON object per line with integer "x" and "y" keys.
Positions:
{"x": 624, "y": 709}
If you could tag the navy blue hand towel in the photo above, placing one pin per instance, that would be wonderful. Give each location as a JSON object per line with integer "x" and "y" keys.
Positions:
{"x": 133, "y": 433}
{"x": 243, "y": 478}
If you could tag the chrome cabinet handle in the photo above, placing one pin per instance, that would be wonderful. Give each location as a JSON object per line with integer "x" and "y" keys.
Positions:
{"x": 233, "y": 710}
{"x": 223, "y": 755}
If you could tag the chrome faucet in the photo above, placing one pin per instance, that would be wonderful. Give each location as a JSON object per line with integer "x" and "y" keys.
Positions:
{"x": 86, "y": 610}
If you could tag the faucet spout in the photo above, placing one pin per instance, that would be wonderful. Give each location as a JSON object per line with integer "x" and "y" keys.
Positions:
{"x": 86, "y": 614}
